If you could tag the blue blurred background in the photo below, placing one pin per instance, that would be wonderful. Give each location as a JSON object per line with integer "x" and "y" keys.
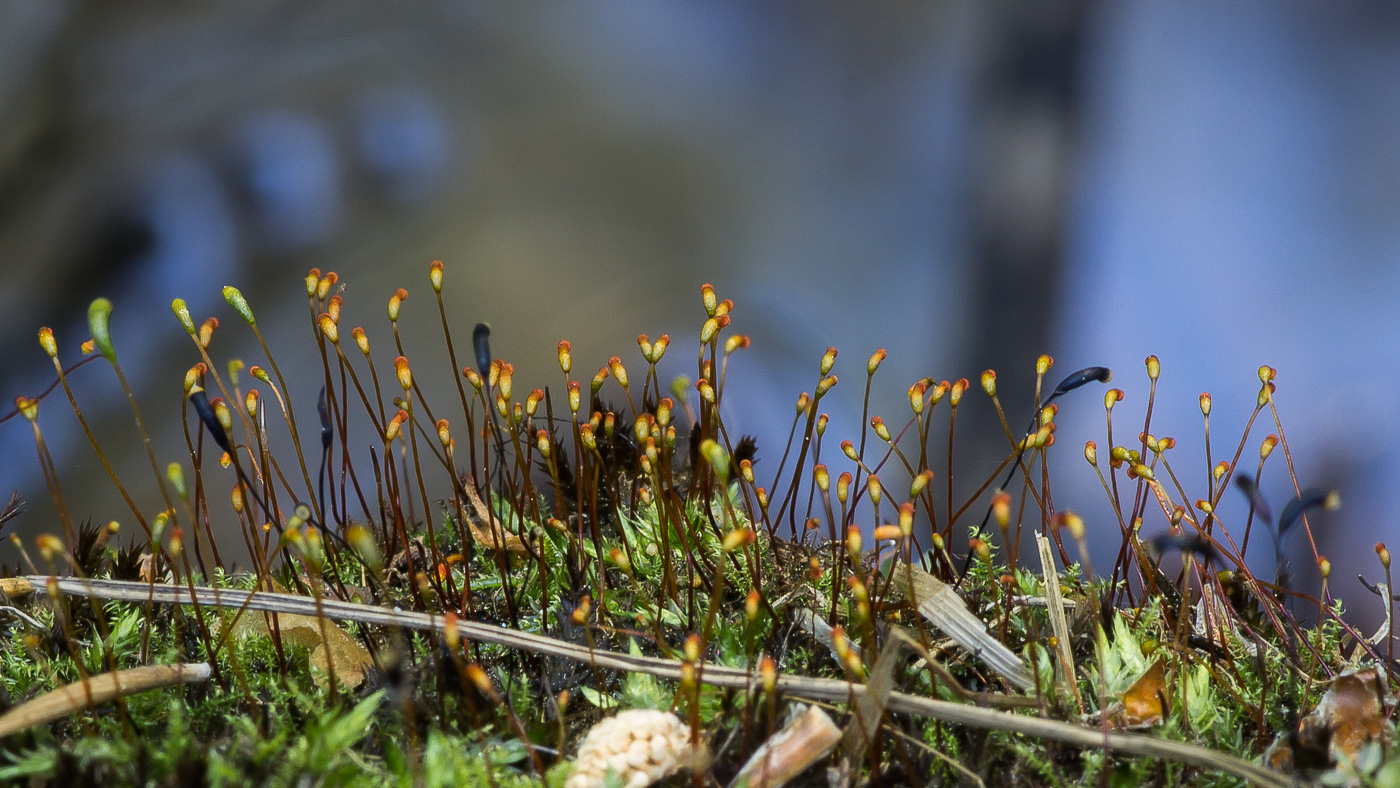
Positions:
{"x": 968, "y": 184}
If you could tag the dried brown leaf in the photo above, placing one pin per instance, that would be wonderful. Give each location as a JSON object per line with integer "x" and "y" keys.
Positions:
{"x": 494, "y": 535}
{"x": 1353, "y": 714}
{"x": 810, "y": 737}
{"x": 148, "y": 568}
{"x": 1143, "y": 702}
{"x": 1350, "y": 715}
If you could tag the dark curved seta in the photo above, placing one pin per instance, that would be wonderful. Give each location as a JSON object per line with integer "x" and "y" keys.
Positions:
{"x": 481, "y": 343}
{"x": 1077, "y": 379}
{"x": 200, "y": 400}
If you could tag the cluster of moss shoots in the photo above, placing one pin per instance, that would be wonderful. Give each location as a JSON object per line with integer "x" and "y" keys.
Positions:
{"x": 644, "y": 527}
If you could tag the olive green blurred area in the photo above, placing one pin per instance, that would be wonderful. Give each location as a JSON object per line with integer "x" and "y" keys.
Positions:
{"x": 581, "y": 170}
{"x": 546, "y": 204}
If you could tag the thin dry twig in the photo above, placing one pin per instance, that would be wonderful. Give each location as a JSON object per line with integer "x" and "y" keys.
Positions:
{"x": 96, "y": 690}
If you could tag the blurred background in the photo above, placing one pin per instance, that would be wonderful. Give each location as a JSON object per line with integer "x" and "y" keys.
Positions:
{"x": 966, "y": 183}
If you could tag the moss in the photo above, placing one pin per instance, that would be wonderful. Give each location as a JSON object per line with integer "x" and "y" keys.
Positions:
{"x": 636, "y": 528}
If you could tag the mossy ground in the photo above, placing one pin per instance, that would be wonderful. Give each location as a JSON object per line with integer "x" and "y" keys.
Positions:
{"x": 636, "y": 528}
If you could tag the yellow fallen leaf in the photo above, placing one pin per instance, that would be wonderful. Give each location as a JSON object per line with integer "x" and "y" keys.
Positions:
{"x": 337, "y": 652}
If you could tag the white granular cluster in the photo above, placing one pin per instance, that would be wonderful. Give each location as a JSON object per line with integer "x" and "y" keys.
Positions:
{"x": 640, "y": 745}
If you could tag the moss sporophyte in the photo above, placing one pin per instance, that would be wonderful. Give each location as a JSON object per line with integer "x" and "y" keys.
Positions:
{"x": 343, "y": 577}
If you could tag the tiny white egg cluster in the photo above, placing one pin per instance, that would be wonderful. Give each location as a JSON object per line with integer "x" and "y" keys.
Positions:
{"x": 640, "y": 745}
